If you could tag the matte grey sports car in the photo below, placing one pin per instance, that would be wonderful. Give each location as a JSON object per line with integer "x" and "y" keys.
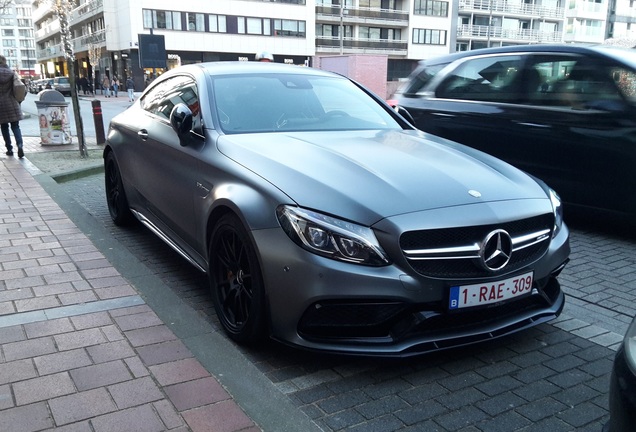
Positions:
{"x": 325, "y": 220}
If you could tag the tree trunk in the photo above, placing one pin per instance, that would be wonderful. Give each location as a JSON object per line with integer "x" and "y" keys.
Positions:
{"x": 76, "y": 109}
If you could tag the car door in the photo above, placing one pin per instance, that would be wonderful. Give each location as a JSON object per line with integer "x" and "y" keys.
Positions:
{"x": 562, "y": 119}
{"x": 472, "y": 101}
{"x": 166, "y": 170}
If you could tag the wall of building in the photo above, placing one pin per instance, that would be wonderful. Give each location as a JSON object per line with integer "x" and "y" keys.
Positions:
{"x": 368, "y": 70}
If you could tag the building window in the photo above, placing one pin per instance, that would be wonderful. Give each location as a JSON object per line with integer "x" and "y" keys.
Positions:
{"x": 6, "y": 22}
{"x": 431, "y": 8}
{"x": 8, "y": 42}
{"x": 196, "y": 21}
{"x": 429, "y": 37}
{"x": 159, "y": 19}
{"x": 218, "y": 23}
{"x": 25, "y": 23}
{"x": 7, "y": 32}
{"x": 290, "y": 28}
{"x": 378, "y": 33}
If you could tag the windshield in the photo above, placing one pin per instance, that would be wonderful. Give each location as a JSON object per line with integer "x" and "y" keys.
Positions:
{"x": 270, "y": 103}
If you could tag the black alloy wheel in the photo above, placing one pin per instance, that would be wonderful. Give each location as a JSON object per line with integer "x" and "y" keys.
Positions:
{"x": 236, "y": 282}
{"x": 115, "y": 196}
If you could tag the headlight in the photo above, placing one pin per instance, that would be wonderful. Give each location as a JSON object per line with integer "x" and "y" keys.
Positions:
{"x": 630, "y": 346}
{"x": 557, "y": 208}
{"x": 330, "y": 237}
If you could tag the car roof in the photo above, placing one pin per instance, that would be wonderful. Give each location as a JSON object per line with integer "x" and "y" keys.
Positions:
{"x": 608, "y": 50}
{"x": 247, "y": 67}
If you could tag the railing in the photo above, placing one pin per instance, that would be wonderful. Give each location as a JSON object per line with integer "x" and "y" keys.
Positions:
{"x": 79, "y": 44}
{"x": 477, "y": 31}
{"x": 86, "y": 10}
{"x": 327, "y": 43}
{"x": 362, "y": 14}
{"x": 503, "y": 7}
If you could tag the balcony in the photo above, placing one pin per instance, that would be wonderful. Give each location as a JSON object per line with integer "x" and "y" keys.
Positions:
{"x": 362, "y": 15}
{"x": 499, "y": 7}
{"x": 87, "y": 11}
{"x": 327, "y": 44}
{"x": 82, "y": 43}
{"x": 507, "y": 35}
{"x": 79, "y": 44}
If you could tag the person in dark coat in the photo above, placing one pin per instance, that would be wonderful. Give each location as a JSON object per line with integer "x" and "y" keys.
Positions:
{"x": 10, "y": 111}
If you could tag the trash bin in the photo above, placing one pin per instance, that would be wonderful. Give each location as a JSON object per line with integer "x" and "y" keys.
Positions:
{"x": 55, "y": 127}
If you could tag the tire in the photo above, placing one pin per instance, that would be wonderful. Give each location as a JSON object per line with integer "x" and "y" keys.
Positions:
{"x": 115, "y": 195}
{"x": 236, "y": 282}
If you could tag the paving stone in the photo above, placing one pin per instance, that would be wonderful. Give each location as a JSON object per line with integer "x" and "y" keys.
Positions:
{"x": 28, "y": 418}
{"x": 62, "y": 361}
{"x": 379, "y": 407}
{"x": 168, "y": 414}
{"x": 498, "y": 385}
{"x": 92, "y": 320}
{"x": 343, "y": 420}
{"x": 467, "y": 396}
{"x": 6, "y": 397}
{"x": 193, "y": 394}
{"x": 388, "y": 423}
{"x": 421, "y": 412}
{"x": 500, "y": 403}
{"x": 138, "y": 419}
{"x": 178, "y": 371}
{"x": 224, "y": 416}
{"x": 48, "y": 328}
{"x": 506, "y": 422}
{"x": 537, "y": 390}
{"x": 343, "y": 401}
{"x": 136, "y": 392}
{"x": 17, "y": 371}
{"x": 541, "y": 408}
{"x": 163, "y": 352}
{"x": 150, "y": 335}
{"x": 28, "y": 348}
{"x": 582, "y": 414}
{"x": 137, "y": 321}
{"x": 463, "y": 417}
{"x": 81, "y": 406}
{"x": 110, "y": 351}
{"x": 43, "y": 388}
{"x": 79, "y": 339}
{"x": 100, "y": 375}
{"x": 423, "y": 393}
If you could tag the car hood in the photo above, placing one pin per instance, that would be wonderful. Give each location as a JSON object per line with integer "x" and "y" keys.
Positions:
{"x": 366, "y": 176}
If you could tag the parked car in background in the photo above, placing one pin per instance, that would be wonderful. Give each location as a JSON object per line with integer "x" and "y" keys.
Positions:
{"x": 325, "y": 220}
{"x": 564, "y": 113}
{"x": 623, "y": 386}
{"x": 63, "y": 85}
{"x": 36, "y": 86}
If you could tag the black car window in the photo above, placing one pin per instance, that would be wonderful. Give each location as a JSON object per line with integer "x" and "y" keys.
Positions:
{"x": 486, "y": 79}
{"x": 578, "y": 83}
{"x": 163, "y": 97}
{"x": 420, "y": 78}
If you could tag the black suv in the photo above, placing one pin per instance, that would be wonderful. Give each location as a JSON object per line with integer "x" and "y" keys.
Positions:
{"x": 564, "y": 113}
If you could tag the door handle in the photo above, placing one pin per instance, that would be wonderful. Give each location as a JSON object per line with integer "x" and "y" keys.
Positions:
{"x": 143, "y": 134}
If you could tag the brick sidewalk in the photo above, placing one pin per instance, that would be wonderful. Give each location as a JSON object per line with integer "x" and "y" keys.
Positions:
{"x": 79, "y": 348}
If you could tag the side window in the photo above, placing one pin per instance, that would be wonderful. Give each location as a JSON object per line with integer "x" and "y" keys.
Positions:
{"x": 486, "y": 79}
{"x": 421, "y": 78}
{"x": 576, "y": 82}
{"x": 180, "y": 89}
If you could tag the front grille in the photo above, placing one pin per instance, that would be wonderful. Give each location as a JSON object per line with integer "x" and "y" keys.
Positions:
{"x": 451, "y": 266}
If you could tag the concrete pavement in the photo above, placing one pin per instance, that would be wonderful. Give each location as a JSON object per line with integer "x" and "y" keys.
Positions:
{"x": 82, "y": 350}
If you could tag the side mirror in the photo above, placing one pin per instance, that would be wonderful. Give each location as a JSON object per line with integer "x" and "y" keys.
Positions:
{"x": 181, "y": 121}
{"x": 404, "y": 113}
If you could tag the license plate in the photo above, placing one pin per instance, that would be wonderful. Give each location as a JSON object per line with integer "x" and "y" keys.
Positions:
{"x": 464, "y": 296}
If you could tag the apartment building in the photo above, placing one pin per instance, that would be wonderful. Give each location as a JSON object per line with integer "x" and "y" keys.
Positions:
{"x": 489, "y": 23}
{"x": 194, "y": 31}
{"x": 301, "y": 31}
{"x": 16, "y": 32}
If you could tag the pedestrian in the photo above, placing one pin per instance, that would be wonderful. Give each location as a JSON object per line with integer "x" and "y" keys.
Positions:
{"x": 106, "y": 86}
{"x": 115, "y": 85}
{"x": 130, "y": 86}
{"x": 83, "y": 82}
{"x": 10, "y": 111}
